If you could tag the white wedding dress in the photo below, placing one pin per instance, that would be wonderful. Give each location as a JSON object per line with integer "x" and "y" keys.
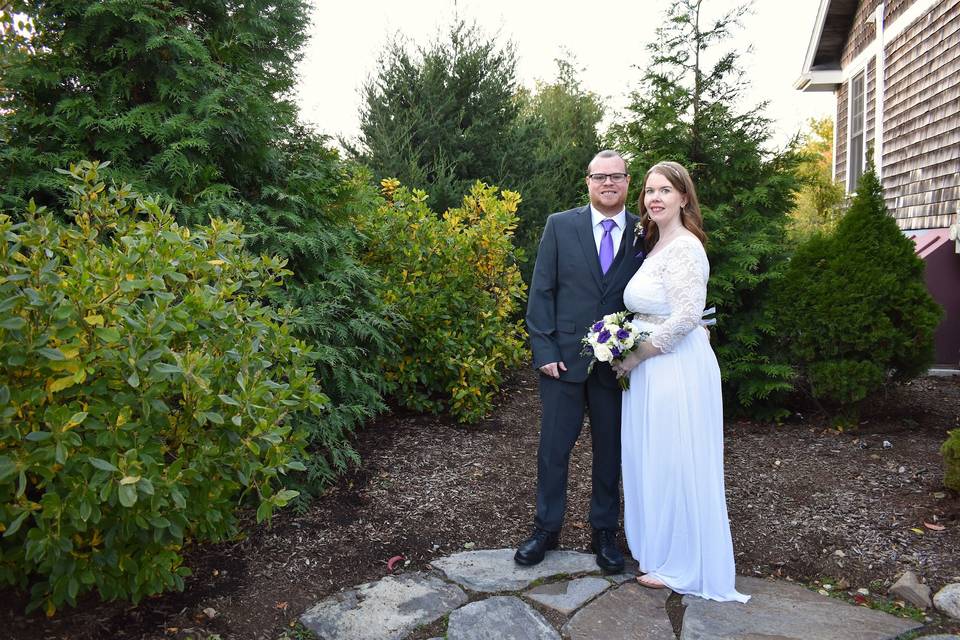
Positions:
{"x": 675, "y": 511}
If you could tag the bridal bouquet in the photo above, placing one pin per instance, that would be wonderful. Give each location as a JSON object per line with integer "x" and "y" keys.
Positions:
{"x": 611, "y": 338}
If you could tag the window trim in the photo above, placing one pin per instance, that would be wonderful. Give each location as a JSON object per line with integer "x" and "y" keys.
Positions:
{"x": 860, "y": 74}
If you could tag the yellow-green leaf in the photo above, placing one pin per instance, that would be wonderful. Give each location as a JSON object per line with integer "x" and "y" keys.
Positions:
{"x": 60, "y": 384}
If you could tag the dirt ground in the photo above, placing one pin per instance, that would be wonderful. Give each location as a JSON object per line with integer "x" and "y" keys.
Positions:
{"x": 806, "y": 503}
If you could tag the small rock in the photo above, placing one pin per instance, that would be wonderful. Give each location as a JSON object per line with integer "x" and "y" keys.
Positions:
{"x": 839, "y": 553}
{"x": 947, "y": 600}
{"x": 909, "y": 588}
{"x": 887, "y": 444}
{"x": 210, "y": 612}
{"x": 901, "y": 469}
{"x": 863, "y": 592}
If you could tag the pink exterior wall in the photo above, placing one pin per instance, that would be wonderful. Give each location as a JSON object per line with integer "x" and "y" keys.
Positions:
{"x": 942, "y": 276}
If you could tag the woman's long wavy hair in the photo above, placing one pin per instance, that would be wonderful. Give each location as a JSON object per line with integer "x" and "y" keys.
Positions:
{"x": 690, "y": 216}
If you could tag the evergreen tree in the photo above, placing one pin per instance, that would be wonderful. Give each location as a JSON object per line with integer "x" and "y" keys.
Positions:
{"x": 853, "y": 309}
{"x": 687, "y": 110}
{"x": 191, "y": 100}
{"x": 564, "y": 118}
{"x": 180, "y": 97}
{"x": 444, "y": 116}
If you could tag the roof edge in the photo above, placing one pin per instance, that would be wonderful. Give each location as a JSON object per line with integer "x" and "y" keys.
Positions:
{"x": 815, "y": 36}
{"x": 825, "y": 80}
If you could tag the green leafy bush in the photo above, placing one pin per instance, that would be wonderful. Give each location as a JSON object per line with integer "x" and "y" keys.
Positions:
{"x": 852, "y": 308}
{"x": 193, "y": 104}
{"x": 145, "y": 390}
{"x": 951, "y": 460}
{"x": 456, "y": 287}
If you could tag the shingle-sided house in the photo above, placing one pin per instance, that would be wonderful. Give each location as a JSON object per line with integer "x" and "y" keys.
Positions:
{"x": 894, "y": 67}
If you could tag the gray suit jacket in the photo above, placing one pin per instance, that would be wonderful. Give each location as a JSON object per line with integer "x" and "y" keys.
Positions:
{"x": 568, "y": 292}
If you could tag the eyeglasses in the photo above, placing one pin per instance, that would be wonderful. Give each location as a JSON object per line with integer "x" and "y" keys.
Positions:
{"x": 600, "y": 178}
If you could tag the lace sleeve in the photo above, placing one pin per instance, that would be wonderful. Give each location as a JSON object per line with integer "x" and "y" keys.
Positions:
{"x": 685, "y": 283}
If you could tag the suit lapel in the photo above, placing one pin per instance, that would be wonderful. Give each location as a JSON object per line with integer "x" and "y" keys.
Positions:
{"x": 627, "y": 249}
{"x": 589, "y": 245}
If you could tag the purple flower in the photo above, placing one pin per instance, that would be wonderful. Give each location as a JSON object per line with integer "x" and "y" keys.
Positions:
{"x": 615, "y": 351}
{"x": 597, "y": 326}
{"x": 622, "y": 334}
{"x": 603, "y": 336}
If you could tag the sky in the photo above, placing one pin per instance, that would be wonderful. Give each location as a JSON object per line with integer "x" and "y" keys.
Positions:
{"x": 607, "y": 39}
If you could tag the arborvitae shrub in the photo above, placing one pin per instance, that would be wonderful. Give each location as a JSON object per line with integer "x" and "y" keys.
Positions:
{"x": 455, "y": 286}
{"x": 853, "y": 309}
{"x": 145, "y": 391}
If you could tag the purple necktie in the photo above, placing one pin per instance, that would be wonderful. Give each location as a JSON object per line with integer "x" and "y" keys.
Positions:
{"x": 606, "y": 245}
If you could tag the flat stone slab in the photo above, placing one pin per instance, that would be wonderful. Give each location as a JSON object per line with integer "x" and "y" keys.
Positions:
{"x": 388, "y": 609}
{"x": 628, "y": 612}
{"x": 499, "y": 618}
{"x": 630, "y": 571}
{"x": 493, "y": 570}
{"x": 566, "y": 597}
{"x": 785, "y": 611}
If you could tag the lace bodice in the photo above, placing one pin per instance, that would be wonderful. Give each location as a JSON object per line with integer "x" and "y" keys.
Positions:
{"x": 671, "y": 284}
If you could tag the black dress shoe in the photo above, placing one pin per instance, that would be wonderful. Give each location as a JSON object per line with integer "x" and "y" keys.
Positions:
{"x": 532, "y": 550}
{"x": 604, "y": 544}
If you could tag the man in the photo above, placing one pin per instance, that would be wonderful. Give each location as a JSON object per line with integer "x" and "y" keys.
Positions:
{"x": 586, "y": 257}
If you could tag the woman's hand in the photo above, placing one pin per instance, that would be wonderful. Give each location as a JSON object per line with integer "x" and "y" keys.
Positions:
{"x": 643, "y": 351}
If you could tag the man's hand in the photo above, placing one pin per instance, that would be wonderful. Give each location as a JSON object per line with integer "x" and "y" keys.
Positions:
{"x": 553, "y": 369}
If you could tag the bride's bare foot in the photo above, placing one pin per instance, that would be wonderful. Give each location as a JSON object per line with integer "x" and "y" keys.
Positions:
{"x": 650, "y": 582}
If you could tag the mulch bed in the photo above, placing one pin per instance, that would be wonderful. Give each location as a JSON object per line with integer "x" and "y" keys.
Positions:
{"x": 806, "y": 502}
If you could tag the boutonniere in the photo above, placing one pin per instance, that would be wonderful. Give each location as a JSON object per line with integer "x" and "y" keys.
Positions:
{"x": 639, "y": 234}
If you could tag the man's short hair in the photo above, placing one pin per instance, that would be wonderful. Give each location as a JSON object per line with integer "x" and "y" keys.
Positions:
{"x": 608, "y": 153}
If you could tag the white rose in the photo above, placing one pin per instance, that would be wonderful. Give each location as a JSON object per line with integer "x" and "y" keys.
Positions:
{"x": 602, "y": 353}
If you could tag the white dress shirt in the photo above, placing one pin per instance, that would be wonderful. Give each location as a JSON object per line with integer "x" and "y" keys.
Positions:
{"x": 615, "y": 234}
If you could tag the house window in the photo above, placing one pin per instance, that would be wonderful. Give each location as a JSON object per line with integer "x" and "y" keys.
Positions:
{"x": 857, "y": 128}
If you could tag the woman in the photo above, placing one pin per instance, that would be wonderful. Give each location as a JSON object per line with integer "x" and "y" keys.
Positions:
{"x": 675, "y": 512}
